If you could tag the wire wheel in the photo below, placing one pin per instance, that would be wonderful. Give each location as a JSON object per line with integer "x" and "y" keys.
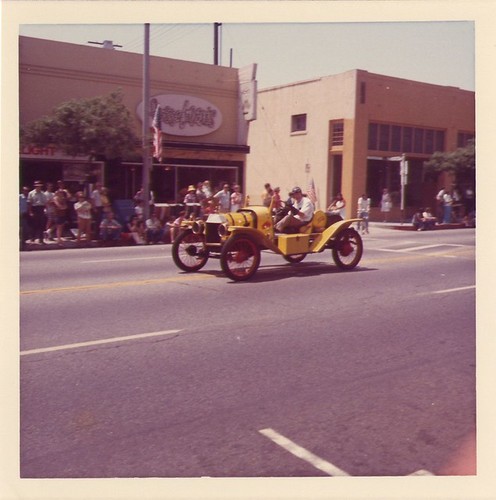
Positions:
{"x": 240, "y": 258}
{"x": 347, "y": 249}
{"x": 189, "y": 251}
{"x": 294, "y": 259}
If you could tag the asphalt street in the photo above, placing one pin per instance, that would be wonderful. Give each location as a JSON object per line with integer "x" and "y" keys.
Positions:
{"x": 132, "y": 368}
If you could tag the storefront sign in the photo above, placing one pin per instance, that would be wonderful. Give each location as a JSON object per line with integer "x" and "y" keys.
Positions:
{"x": 183, "y": 115}
{"x": 47, "y": 152}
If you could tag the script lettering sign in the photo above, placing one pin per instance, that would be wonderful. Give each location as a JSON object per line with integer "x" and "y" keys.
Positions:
{"x": 183, "y": 115}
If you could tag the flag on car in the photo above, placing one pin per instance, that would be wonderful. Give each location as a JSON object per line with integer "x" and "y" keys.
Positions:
{"x": 311, "y": 192}
{"x": 157, "y": 133}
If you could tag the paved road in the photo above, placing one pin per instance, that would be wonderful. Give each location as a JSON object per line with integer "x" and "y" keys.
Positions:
{"x": 131, "y": 368}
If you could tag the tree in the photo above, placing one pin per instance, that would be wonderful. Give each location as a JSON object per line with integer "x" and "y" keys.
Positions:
{"x": 460, "y": 163}
{"x": 98, "y": 126}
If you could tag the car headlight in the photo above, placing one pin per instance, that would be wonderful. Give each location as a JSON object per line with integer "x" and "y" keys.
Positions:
{"x": 223, "y": 230}
{"x": 198, "y": 227}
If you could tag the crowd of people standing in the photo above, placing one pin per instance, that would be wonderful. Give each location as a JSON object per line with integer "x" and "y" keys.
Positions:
{"x": 50, "y": 212}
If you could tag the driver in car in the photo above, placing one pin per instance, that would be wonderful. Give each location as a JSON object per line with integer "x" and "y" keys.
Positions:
{"x": 301, "y": 212}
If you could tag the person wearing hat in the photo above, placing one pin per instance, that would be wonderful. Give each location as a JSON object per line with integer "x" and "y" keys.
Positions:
{"x": 37, "y": 201}
{"x": 301, "y": 212}
{"x": 191, "y": 202}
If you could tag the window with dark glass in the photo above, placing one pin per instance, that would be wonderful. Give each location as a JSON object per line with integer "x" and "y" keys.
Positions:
{"x": 418, "y": 140}
{"x": 373, "y": 135}
{"x": 407, "y": 139}
{"x": 439, "y": 146}
{"x": 298, "y": 123}
{"x": 463, "y": 138}
{"x": 396, "y": 138}
{"x": 384, "y": 137}
{"x": 429, "y": 142}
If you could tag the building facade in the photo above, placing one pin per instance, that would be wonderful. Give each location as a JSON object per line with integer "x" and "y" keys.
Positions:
{"x": 349, "y": 132}
{"x": 204, "y": 129}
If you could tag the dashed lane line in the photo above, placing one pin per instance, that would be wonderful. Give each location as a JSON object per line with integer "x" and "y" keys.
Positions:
{"x": 98, "y": 342}
{"x": 449, "y": 290}
{"x": 302, "y": 453}
{"x": 312, "y": 459}
{"x": 116, "y": 284}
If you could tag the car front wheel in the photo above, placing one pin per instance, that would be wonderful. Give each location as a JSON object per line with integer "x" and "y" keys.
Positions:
{"x": 240, "y": 258}
{"x": 189, "y": 251}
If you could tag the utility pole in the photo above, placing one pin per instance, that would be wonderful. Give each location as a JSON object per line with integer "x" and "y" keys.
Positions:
{"x": 146, "y": 125}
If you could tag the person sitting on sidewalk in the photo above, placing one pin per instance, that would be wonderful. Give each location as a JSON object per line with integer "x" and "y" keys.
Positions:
{"x": 110, "y": 228}
{"x": 428, "y": 219}
{"x": 154, "y": 231}
{"x": 417, "y": 220}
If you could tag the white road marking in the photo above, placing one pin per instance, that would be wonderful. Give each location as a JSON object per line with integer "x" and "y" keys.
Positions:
{"x": 97, "y": 342}
{"x": 415, "y": 249}
{"x": 421, "y": 472}
{"x": 302, "y": 453}
{"x": 314, "y": 460}
{"x": 449, "y": 290}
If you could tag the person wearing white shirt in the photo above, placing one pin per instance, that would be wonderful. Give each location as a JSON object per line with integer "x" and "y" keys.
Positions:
{"x": 363, "y": 212}
{"x": 301, "y": 212}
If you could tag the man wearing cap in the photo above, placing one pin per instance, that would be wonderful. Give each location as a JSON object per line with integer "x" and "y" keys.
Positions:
{"x": 301, "y": 212}
{"x": 37, "y": 201}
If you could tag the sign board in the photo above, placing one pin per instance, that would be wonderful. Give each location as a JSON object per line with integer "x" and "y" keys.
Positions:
{"x": 248, "y": 91}
{"x": 183, "y": 115}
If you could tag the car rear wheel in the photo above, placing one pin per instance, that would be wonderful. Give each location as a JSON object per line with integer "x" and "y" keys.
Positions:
{"x": 347, "y": 249}
{"x": 240, "y": 258}
{"x": 189, "y": 251}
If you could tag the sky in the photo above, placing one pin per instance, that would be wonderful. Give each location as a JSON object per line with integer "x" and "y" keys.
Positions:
{"x": 438, "y": 52}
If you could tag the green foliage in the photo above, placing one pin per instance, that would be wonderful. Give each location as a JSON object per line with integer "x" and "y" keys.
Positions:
{"x": 460, "y": 162}
{"x": 94, "y": 126}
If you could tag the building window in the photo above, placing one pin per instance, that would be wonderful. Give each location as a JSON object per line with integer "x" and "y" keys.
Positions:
{"x": 463, "y": 138}
{"x": 373, "y": 135}
{"x": 337, "y": 134}
{"x": 299, "y": 123}
{"x": 396, "y": 138}
{"x": 418, "y": 140}
{"x": 439, "y": 140}
{"x": 407, "y": 139}
{"x": 384, "y": 137}
{"x": 429, "y": 141}
{"x": 399, "y": 139}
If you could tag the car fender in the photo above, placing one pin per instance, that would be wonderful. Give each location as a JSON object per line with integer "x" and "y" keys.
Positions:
{"x": 331, "y": 232}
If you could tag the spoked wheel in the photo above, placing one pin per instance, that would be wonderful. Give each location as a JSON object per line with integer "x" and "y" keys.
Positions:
{"x": 189, "y": 251}
{"x": 348, "y": 248}
{"x": 240, "y": 258}
{"x": 294, "y": 259}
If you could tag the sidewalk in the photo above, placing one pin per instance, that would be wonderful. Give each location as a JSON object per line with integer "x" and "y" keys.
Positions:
{"x": 72, "y": 243}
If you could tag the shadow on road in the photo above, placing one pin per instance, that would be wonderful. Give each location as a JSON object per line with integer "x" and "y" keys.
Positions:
{"x": 271, "y": 272}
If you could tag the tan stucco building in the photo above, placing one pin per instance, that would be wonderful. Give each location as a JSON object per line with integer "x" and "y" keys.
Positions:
{"x": 347, "y": 133}
{"x": 204, "y": 129}
{"x": 344, "y": 132}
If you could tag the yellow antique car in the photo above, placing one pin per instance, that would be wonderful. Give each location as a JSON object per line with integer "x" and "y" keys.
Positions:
{"x": 237, "y": 238}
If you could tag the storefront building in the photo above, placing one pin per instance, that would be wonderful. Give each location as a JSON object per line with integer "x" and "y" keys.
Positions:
{"x": 204, "y": 127}
{"x": 350, "y": 132}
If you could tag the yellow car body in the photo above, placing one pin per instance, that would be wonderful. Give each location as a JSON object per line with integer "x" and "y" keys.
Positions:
{"x": 238, "y": 237}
